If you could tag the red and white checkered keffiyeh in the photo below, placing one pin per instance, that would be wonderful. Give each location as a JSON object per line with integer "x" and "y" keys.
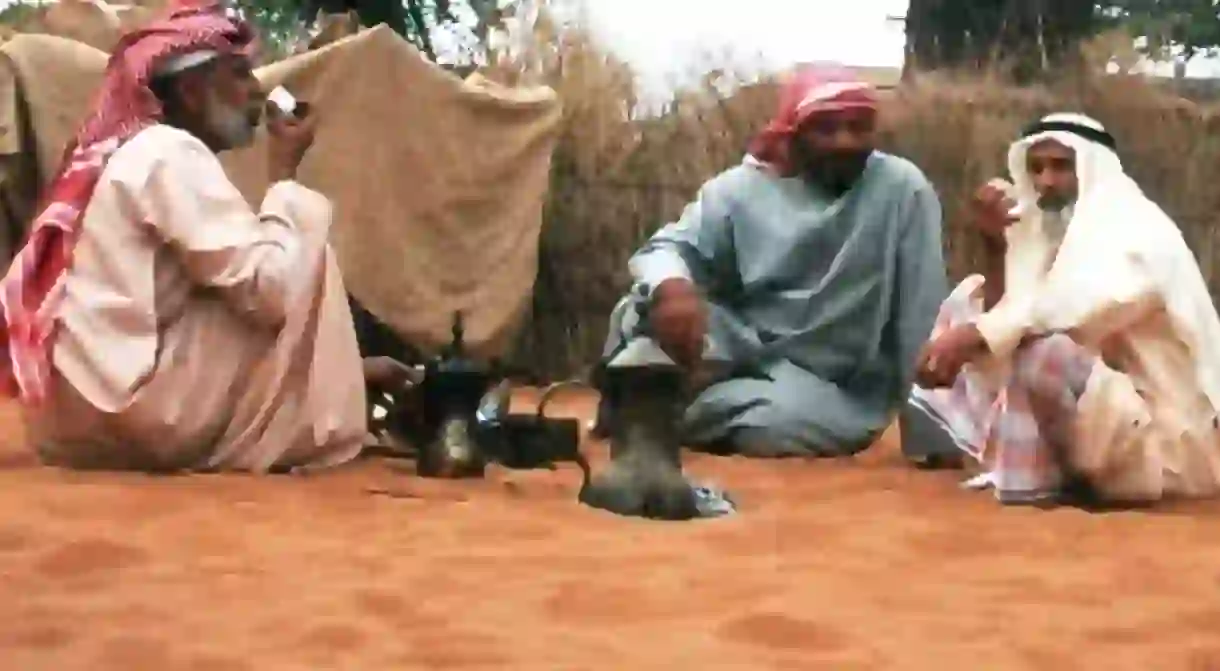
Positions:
{"x": 812, "y": 89}
{"x": 32, "y": 290}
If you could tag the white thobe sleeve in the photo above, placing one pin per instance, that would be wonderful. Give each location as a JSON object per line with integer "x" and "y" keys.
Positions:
{"x": 223, "y": 244}
{"x": 1110, "y": 295}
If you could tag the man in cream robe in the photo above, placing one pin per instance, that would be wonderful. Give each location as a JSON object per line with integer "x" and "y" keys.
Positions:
{"x": 1096, "y": 374}
{"x": 187, "y": 331}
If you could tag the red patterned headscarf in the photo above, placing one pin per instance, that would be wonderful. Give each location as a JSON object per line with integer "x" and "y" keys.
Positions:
{"x": 812, "y": 89}
{"x": 32, "y": 290}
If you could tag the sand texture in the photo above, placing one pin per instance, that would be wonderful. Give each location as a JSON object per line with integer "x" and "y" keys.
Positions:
{"x": 858, "y": 564}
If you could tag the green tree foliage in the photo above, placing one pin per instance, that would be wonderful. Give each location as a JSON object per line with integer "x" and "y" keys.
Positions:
{"x": 1027, "y": 37}
{"x": 279, "y": 21}
{"x": 1177, "y": 28}
{"x": 17, "y": 12}
{"x": 285, "y": 23}
{"x": 416, "y": 20}
{"x": 1031, "y": 37}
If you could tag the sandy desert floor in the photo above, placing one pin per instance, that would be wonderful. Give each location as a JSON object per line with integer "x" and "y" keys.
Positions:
{"x": 862, "y": 564}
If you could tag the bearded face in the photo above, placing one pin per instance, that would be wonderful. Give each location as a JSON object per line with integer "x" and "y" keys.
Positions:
{"x": 832, "y": 148}
{"x": 1052, "y": 168}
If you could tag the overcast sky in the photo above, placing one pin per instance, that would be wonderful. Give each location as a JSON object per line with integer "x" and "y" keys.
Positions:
{"x": 678, "y": 35}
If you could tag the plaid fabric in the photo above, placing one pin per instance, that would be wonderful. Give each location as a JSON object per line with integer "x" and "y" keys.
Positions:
{"x": 999, "y": 426}
{"x": 963, "y": 410}
{"x": 1025, "y": 446}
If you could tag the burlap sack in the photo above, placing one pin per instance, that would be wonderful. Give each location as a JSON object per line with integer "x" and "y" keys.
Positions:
{"x": 438, "y": 184}
{"x": 56, "y": 79}
{"x": 18, "y": 169}
{"x": 46, "y": 84}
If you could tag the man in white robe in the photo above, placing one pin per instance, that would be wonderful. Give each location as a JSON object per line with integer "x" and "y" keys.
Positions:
{"x": 154, "y": 321}
{"x": 1083, "y": 365}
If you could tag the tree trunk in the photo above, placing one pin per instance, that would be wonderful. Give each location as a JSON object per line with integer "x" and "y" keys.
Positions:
{"x": 420, "y": 25}
{"x": 920, "y": 37}
{"x": 1026, "y": 39}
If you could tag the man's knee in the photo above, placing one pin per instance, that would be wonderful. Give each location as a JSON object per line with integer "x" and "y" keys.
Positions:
{"x": 787, "y": 431}
{"x": 1047, "y": 366}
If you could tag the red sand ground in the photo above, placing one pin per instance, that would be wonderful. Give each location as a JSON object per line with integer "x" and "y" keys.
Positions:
{"x": 850, "y": 565}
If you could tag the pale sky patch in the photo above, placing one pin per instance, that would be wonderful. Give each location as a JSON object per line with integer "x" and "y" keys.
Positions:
{"x": 677, "y": 37}
{"x": 670, "y": 40}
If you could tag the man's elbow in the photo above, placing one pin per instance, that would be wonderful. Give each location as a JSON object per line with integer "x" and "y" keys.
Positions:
{"x": 272, "y": 322}
{"x": 263, "y": 303}
{"x": 1101, "y": 323}
{"x": 266, "y": 317}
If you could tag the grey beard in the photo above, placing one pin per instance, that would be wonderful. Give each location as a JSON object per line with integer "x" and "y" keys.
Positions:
{"x": 229, "y": 125}
{"x": 1055, "y": 223}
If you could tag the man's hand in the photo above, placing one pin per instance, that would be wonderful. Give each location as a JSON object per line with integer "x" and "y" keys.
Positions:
{"x": 942, "y": 359}
{"x": 991, "y": 208}
{"x": 290, "y": 137}
{"x": 384, "y": 372}
{"x": 678, "y": 319}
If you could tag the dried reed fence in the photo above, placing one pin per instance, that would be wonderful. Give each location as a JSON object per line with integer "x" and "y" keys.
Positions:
{"x": 616, "y": 179}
